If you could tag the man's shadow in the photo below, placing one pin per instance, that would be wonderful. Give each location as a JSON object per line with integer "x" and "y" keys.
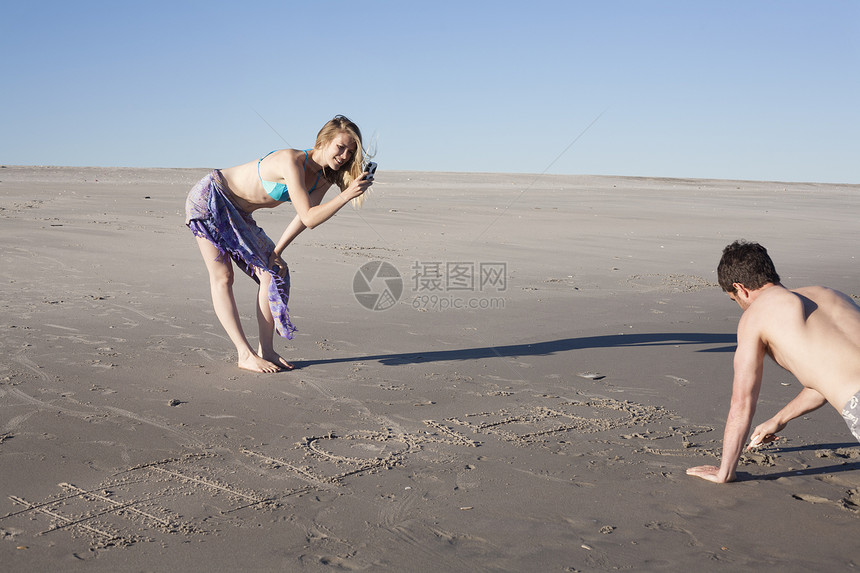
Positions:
{"x": 727, "y": 343}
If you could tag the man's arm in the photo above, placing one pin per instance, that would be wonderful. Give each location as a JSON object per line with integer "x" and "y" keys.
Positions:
{"x": 805, "y": 402}
{"x": 748, "y": 365}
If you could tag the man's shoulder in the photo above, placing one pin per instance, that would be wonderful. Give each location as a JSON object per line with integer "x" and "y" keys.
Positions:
{"x": 826, "y": 297}
{"x": 814, "y": 290}
{"x": 773, "y": 295}
{"x": 776, "y": 309}
{"x": 771, "y": 306}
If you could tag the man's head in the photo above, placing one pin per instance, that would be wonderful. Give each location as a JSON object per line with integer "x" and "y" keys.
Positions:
{"x": 747, "y": 265}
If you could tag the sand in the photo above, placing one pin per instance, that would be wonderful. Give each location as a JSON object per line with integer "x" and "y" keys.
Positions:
{"x": 557, "y": 355}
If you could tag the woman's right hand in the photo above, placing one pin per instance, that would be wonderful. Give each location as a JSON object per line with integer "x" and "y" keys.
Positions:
{"x": 358, "y": 187}
{"x": 277, "y": 264}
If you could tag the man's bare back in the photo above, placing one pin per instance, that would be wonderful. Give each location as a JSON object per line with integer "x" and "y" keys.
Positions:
{"x": 814, "y": 333}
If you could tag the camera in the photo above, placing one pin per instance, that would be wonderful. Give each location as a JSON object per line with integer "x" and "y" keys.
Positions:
{"x": 370, "y": 168}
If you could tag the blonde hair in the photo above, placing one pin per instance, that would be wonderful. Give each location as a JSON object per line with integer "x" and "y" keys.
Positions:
{"x": 344, "y": 176}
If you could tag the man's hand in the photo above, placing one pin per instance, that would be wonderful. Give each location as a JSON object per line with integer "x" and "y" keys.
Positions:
{"x": 710, "y": 473}
{"x": 765, "y": 433}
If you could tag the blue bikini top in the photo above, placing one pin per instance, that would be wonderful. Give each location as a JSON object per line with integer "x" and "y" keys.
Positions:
{"x": 278, "y": 191}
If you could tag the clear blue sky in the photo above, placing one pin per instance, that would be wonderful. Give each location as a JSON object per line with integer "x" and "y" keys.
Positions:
{"x": 763, "y": 90}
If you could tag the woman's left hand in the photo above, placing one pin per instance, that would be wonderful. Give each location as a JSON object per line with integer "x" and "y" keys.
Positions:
{"x": 277, "y": 264}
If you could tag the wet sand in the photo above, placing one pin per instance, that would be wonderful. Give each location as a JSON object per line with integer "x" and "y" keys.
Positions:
{"x": 526, "y": 398}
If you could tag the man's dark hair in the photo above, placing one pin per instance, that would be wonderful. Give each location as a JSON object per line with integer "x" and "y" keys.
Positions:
{"x": 747, "y": 264}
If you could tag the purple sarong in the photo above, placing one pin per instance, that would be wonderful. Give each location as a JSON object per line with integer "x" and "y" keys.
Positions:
{"x": 210, "y": 214}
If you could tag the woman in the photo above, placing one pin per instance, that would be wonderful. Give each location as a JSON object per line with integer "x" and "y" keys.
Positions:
{"x": 218, "y": 212}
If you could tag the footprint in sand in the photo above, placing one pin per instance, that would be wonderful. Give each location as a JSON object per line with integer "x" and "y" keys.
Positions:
{"x": 591, "y": 375}
{"x": 671, "y": 527}
{"x": 848, "y": 504}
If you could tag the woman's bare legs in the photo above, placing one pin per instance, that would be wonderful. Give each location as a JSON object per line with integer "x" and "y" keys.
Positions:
{"x": 221, "y": 283}
{"x": 266, "y": 323}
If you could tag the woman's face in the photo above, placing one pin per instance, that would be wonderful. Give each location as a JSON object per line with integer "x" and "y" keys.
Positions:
{"x": 339, "y": 151}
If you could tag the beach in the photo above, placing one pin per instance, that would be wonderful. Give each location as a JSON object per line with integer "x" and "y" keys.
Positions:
{"x": 494, "y": 372}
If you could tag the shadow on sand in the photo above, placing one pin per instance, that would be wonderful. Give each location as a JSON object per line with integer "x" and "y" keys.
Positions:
{"x": 850, "y": 467}
{"x": 544, "y": 348}
{"x": 833, "y": 469}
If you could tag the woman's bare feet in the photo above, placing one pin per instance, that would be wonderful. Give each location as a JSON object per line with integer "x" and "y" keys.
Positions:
{"x": 277, "y": 359}
{"x": 254, "y": 363}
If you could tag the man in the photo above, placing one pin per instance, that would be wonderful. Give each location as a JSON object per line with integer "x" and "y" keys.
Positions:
{"x": 813, "y": 332}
